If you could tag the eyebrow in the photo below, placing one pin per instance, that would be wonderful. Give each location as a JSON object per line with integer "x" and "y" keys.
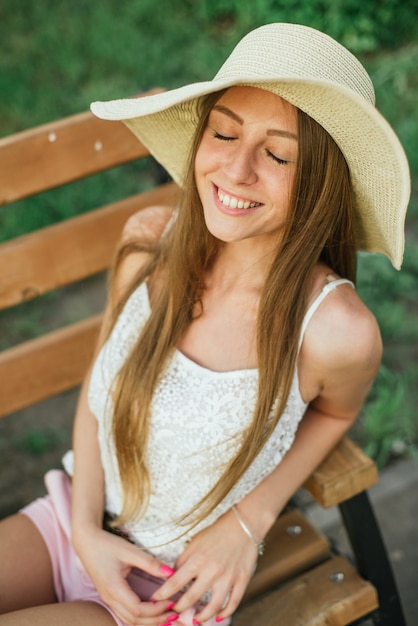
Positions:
{"x": 270, "y": 132}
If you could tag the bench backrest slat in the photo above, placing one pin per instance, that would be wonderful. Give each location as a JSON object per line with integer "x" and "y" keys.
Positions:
{"x": 34, "y": 161}
{"x": 46, "y": 366}
{"x": 60, "y": 152}
{"x": 69, "y": 251}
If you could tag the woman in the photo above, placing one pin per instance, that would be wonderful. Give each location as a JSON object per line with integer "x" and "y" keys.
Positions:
{"x": 235, "y": 352}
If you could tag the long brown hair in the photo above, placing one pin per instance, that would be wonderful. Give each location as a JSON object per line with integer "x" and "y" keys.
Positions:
{"x": 321, "y": 226}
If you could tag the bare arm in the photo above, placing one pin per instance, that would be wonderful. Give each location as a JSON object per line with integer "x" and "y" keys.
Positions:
{"x": 88, "y": 482}
{"x": 339, "y": 365}
{"x": 108, "y": 558}
{"x": 344, "y": 364}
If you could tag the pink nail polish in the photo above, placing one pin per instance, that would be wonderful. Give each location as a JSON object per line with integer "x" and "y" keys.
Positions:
{"x": 196, "y": 623}
{"x": 167, "y": 571}
{"x": 219, "y": 619}
{"x": 172, "y": 618}
{"x": 170, "y": 606}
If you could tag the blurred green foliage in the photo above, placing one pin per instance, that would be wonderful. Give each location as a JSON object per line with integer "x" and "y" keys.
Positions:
{"x": 388, "y": 427}
{"x": 58, "y": 56}
{"x": 38, "y": 441}
{"x": 361, "y": 26}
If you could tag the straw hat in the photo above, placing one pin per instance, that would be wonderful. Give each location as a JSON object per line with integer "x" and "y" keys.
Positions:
{"x": 315, "y": 73}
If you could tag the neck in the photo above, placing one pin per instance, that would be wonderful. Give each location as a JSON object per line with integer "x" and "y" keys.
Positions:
{"x": 242, "y": 264}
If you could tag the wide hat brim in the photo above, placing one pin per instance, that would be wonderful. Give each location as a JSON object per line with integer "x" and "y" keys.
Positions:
{"x": 166, "y": 123}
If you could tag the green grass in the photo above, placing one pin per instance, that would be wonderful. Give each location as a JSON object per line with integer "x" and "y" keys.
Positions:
{"x": 58, "y": 56}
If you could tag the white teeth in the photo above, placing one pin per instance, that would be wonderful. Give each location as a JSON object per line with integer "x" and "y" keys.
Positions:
{"x": 234, "y": 203}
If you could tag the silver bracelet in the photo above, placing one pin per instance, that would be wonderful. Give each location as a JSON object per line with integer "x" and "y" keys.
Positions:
{"x": 260, "y": 545}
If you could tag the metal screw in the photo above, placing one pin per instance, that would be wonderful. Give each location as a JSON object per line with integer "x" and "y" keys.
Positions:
{"x": 294, "y": 530}
{"x": 337, "y": 577}
{"x": 98, "y": 146}
{"x": 52, "y": 137}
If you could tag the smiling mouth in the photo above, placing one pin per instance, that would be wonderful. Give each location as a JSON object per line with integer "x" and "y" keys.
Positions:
{"x": 235, "y": 203}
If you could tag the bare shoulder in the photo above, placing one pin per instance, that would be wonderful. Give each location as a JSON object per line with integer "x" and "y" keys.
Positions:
{"x": 344, "y": 334}
{"x": 147, "y": 224}
{"x": 341, "y": 354}
{"x": 145, "y": 227}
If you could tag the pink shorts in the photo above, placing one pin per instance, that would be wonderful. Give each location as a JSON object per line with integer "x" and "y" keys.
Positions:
{"x": 52, "y": 516}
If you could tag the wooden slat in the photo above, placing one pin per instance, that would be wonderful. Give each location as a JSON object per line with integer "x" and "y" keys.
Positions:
{"x": 287, "y": 553}
{"x": 59, "y": 152}
{"x": 313, "y": 599}
{"x": 346, "y": 472}
{"x": 69, "y": 251}
{"x": 46, "y": 366}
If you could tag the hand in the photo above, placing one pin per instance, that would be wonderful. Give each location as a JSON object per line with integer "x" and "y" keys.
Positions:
{"x": 220, "y": 558}
{"x": 108, "y": 559}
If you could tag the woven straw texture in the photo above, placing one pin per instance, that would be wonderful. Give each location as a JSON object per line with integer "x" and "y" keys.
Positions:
{"x": 322, "y": 78}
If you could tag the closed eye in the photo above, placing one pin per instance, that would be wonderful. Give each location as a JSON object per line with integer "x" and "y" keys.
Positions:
{"x": 276, "y": 158}
{"x": 217, "y": 135}
{"x": 227, "y": 138}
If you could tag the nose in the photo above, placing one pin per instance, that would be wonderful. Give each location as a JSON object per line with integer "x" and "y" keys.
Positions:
{"x": 240, "y": 165}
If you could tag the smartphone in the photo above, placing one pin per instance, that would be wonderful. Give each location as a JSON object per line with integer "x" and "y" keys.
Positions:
{"x": 145, "y": 585}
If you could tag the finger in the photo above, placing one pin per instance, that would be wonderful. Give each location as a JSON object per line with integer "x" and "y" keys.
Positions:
{"x": 215, "y": 606}
{"x": 152, "y": 614}
{"x": 193, "y": 586}
{"x": 122, "y": 613}
{"x": 192, "y": 595}
{"x": 166, "y": 617}
{"x": 174, "y": 584}
{"x": 136, "y": 557}
{"x": 121, "y": 592}
{"x": 127, "y": 616}
{"x": 226, "y": 608}
{"x": 148, "y": 612}
{"x": 157, "y": 621}
{"x": 126, "y": 601}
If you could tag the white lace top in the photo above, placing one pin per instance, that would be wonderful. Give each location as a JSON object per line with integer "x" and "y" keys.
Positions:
{"x": 197, "y": 417}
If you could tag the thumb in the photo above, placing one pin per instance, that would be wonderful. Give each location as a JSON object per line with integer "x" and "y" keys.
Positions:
{"x": 150, "y": 564}
{"x": 149, "y": 577}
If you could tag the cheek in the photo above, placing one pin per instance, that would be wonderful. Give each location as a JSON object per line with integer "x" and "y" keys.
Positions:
{"x": 209, "y": 157}
{"x": 201, "y": 168}
{"x": 273, "y": 183}
{"x": 285, "y": 184}
{"x": 200, "y": 162}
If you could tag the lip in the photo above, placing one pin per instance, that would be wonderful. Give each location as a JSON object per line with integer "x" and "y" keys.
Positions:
{"x": 229, "y": 210}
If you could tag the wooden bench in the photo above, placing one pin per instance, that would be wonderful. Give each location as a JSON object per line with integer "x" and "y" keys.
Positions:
{"x": 299, "y": 580}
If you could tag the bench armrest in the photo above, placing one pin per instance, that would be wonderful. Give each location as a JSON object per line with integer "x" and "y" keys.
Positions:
{"x": 345, "y": 472}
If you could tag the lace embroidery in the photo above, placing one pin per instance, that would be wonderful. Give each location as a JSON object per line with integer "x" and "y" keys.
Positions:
{"x": 197, "y": 416}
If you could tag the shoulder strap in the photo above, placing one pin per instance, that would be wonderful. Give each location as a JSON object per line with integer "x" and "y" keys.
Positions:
{"x": 330, "y": 286}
